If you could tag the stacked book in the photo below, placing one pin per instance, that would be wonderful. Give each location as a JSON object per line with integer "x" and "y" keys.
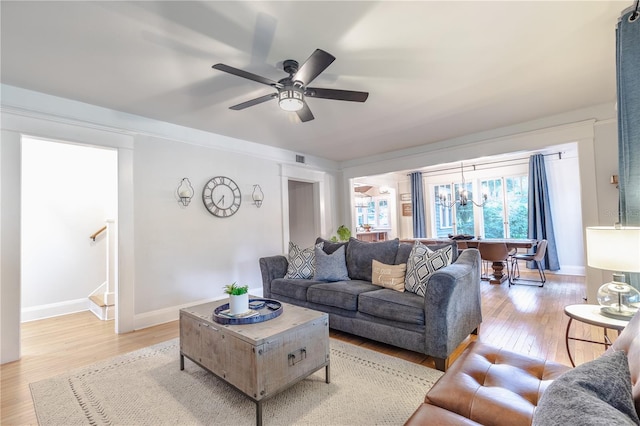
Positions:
{"x": 247, "y": 314}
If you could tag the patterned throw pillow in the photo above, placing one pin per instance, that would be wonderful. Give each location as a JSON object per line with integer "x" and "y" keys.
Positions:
{"x": 422, "y": 263}
{"x": 388, "y": 276}
{"x": 301, "y": 262}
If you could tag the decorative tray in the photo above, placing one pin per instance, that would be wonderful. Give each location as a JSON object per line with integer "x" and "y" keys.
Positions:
{"x": 260, "y": 310}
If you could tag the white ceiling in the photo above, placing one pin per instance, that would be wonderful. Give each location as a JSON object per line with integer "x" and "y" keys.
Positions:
{"x": 434, "y": 69}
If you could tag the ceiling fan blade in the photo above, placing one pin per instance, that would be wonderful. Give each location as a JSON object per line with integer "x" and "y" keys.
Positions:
{"x": 317, "y": 62}
{"x": 305, "y": 113}
{"x": 255, "y": 101}
{"x": 339, "y": 95}
{"x": 247, "y": 75}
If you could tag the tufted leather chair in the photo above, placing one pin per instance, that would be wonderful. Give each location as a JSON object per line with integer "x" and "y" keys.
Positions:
{"x": 492, "y": 386}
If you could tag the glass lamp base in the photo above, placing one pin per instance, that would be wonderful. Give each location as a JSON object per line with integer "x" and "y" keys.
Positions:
{"x": 611, "y": 312}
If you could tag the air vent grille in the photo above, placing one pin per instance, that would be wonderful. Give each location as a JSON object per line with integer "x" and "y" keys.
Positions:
{"x": 300, "y": 159}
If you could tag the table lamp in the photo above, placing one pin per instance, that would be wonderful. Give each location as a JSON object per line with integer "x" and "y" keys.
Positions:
{"x": 615, "y": 248}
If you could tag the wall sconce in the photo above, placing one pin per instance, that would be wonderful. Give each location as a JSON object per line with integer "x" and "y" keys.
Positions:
{"x": 185, "y": 192}
{"x": 257, "y": 196}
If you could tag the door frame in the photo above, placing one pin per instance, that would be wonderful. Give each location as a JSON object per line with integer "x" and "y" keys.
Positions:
{"x": 315, "y": 177}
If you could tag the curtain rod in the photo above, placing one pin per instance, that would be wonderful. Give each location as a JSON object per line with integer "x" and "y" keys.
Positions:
{"x": 473, "y": 166}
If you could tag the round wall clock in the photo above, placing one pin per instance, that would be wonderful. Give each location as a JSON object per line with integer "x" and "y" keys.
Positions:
{"x": 221, "y": 196}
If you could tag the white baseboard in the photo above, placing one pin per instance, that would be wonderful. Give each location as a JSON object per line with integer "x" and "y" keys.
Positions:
{"x": 34, "y": 313}
{"x": 564, "y": 270}
{"x": 569, "y": 270}
{"x": 161, "y": 316}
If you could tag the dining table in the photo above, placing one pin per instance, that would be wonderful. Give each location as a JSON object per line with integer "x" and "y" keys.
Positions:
{"x": 498, "y": 277}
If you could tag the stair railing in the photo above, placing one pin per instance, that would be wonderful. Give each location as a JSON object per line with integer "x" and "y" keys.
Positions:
{"x": 108, "y": 287}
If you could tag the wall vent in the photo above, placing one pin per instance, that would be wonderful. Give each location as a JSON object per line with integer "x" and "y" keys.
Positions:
{"x": 300, "y": 159}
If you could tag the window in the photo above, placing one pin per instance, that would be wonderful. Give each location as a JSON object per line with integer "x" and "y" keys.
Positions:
{"x": 443, "y": 212}
{"x": 518, "y": 206}
{"x": 505, "y": 214}
{"x": 493, "y": 211}
{"x": 374, "y": 213}
{"x": 464, "y": 214}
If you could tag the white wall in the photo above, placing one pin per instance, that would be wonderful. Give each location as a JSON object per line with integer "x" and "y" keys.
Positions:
{"x": 68, "y": 191}
{"x": 169, "y": 257}
{"x": 187, "y": 254}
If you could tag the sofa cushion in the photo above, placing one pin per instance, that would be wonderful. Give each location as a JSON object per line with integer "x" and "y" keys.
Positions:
{"x": 422, "y": 263}
{"x": 392, "y": 305}
{"x": 331, "y": 246}
{"x": 294, "y": 288}
{"x": 340, "y": 294}
{"x": 595, "y": 393}
{"x": 360, "y": 256}
{"x": 330, "y": 267}
{"x": 388, "y": 276}
{"x": 301, "y": 262}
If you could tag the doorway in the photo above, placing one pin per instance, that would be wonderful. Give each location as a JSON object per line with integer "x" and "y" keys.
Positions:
{"x": 302, "y": 213}
{"x": 69, "y": 191}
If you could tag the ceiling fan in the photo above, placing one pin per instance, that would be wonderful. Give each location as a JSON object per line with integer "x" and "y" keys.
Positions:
{"x": 292, "y": 90}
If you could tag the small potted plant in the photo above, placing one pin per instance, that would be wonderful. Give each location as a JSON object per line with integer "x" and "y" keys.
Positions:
{"x": 238, "y": 298}
{"x": 344, "y": 234}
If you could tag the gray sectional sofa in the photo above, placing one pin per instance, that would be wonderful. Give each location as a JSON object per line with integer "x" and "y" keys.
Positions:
{"x": 434, "y": 325}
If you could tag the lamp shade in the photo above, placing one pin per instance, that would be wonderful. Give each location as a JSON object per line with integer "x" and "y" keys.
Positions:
{"x": 614, "y": 248}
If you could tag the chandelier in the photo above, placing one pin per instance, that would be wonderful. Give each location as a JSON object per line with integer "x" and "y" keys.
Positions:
{"x": 463, "y": 196}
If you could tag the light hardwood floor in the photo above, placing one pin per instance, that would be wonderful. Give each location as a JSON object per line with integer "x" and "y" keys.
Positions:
{"x": 525, "y": 319}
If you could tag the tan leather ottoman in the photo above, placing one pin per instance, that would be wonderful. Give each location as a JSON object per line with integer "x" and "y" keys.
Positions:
{"x": 489, "y": 386}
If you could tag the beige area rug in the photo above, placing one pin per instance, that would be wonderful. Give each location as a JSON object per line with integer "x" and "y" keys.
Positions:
{"x": 146, "y": 387}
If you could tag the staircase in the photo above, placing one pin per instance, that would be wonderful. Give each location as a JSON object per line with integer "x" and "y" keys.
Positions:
{"x": 102, "y": 307}
{"x": 102, "y": 301}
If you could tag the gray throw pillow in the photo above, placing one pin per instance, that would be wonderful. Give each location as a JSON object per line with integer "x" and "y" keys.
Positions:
{"x": 422, "y": 263}
{"x": 593, "y": 394}
{"x": 331, "y": 246}
{"x": 330, "y": 267}
{"x": 361, "y": 254}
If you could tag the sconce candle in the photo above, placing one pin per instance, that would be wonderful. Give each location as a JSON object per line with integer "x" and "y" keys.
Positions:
{"x": 258, "y": 195}
{"x": 185, "y": 192}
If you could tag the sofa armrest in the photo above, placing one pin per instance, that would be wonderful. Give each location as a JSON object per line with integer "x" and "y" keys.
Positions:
{"x": 452, "y": 305}
{"x": 271, "y": 268}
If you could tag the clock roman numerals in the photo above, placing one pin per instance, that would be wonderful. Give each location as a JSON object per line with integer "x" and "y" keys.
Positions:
{"x": 221, "y": 196}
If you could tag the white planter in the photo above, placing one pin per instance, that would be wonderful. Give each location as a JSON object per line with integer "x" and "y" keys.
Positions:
{"x": 238, "y": 304}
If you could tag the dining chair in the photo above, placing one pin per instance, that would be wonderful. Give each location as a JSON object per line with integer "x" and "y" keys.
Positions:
{"x": 495, "y": 253}
{"x": 537, "y": 257}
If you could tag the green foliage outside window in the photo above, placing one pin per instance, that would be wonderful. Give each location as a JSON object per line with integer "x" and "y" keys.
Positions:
{"x": 498, "y": 220}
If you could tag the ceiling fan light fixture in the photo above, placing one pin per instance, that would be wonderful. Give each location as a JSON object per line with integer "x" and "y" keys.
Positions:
{"x": 291, "y": 99}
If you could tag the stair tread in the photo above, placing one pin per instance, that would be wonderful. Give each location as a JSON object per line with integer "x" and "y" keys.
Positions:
{"x": 98, "y": 299}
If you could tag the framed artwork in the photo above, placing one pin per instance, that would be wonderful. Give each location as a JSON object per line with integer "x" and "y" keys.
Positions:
{"x": 405, "y": 197}
{"x": 406, "y": 209}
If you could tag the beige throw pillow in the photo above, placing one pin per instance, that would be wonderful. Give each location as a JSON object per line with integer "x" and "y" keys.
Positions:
{"x": 388, "y": 276}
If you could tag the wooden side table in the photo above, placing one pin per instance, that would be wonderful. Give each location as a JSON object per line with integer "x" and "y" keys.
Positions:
{"x": 590, "y": 314}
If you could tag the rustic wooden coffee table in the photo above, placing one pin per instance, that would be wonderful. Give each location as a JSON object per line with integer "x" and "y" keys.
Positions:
{"x": 262, "y": 359}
